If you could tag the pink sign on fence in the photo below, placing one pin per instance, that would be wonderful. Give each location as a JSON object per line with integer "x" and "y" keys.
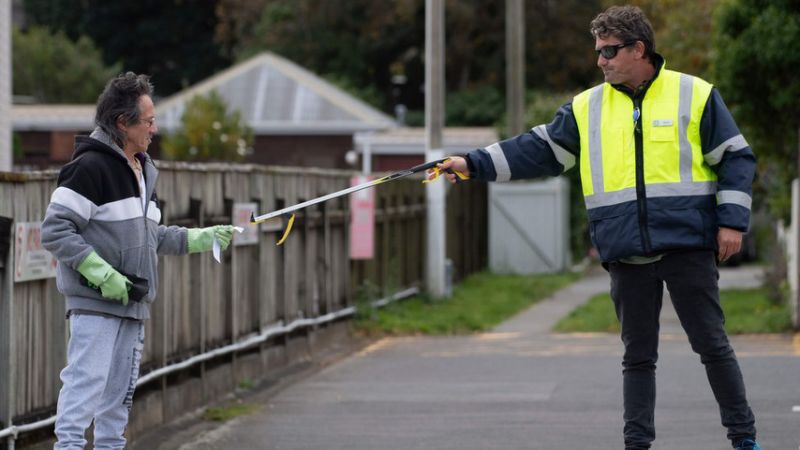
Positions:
{"x": 362, "y": 220}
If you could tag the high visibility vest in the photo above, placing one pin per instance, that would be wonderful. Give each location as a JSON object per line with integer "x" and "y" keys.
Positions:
{"x": 669, "y": 117}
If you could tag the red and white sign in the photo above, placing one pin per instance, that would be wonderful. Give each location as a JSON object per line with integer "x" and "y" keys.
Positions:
{"x": 362, "y": 220}
{"x": 241, "y": 218}
{"x": 31, "y": 260}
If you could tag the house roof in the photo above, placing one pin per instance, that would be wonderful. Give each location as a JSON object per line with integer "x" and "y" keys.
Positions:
{"x": 52, "y": 117}
{"x": 276, "y": 96}
{"x": 411, "y": 140}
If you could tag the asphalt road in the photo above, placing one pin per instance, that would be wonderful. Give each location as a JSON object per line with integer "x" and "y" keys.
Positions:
{"x": 517, "y": 387}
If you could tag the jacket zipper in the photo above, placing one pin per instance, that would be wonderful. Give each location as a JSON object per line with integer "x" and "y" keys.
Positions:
{"x": 641, "y": 197}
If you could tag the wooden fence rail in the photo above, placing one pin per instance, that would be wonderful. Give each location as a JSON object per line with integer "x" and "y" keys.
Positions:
{"x": 202, "y": 305}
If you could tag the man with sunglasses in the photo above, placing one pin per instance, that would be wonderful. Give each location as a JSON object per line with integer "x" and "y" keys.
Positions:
{"x": 666, "y": 179}
{"x": 103, "y": 226}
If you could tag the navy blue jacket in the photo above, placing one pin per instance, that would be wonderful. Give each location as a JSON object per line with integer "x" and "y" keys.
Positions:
{"x": 645, "y": 226}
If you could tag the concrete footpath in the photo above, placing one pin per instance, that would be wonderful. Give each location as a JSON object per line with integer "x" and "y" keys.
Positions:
{"x": 517, "y": 387}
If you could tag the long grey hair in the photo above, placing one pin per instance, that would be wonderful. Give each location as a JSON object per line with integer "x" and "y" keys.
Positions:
{"x": 120, "y": 99}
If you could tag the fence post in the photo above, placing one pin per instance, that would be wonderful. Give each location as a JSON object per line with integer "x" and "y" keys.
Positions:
{"x": 7, "y": 371}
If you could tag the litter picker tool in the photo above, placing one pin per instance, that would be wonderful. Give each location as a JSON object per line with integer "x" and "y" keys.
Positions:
{"x": 391, "y": 177}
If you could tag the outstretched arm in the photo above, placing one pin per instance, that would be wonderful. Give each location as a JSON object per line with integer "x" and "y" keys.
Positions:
{"x": 545, "y": 150}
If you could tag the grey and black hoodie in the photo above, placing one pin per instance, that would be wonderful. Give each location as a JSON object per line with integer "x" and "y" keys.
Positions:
{"x": 97, "y": 206}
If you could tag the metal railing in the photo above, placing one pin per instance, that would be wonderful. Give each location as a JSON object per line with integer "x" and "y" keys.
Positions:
{"x": 268, "y": 333}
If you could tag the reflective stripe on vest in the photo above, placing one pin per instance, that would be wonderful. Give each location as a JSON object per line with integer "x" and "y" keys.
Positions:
{"x": 673, "y": 160}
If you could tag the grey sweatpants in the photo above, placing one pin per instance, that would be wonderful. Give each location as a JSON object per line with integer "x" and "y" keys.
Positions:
{"x": 98, "y": 382}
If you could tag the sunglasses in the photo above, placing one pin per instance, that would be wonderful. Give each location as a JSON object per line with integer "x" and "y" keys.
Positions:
{"x": 610, "y": 51}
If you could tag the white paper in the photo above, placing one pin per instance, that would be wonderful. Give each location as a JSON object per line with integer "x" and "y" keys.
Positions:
{"x": 216, "y": 249}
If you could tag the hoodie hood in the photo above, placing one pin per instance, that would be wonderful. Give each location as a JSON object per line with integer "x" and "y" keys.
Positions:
{"x": 83, "y": 145}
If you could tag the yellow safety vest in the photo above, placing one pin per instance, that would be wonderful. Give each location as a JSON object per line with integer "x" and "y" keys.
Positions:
{"x": 670, "y": 121}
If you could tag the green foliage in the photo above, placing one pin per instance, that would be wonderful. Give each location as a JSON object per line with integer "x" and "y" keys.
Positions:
{"x": 171, "y": 40}
{"x": 481, "y": 106}
{"x": 209, "y": 133}
{"x": 247, "y": 383}
{"x": 377, "y": 43}
{"x": 746, "y": 311}
{"x": 373, "y": 48}
{"x": 53, "y": 69}
{"x": 357, "y": 40}
{"x": 226, "y": 413}
{"x": 416, "y": 118}
{"x": 479, "y": 303}
{"x": 756, "y": 71}
{"x": 477, "y": 106}
{"x": 366, "y": 293}
{"x": 558, "y": 45}
{"x": 681, "y": 31}
{"x": 542, "y": 106}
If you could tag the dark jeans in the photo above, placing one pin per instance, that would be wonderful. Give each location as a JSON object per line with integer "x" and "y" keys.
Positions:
{"x": 691, "y": 278}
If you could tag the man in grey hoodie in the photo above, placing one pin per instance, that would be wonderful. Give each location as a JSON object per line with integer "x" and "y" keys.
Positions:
{"x": 102, "y": 225}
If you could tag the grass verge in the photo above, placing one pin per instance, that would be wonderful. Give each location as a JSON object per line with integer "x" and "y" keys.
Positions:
{"x": 597, "y": 315}
{"x": 480, "y": 302}
{"x": 226, "y": 413}
{"x": 746, "y": 311}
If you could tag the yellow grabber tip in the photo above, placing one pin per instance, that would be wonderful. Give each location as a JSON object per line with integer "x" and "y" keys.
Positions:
{"x": 437, "y": 172}
{"x": 288, "y": 229}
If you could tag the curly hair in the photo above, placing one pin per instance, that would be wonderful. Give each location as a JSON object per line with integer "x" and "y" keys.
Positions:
{"x": 627, "y": 23}
{"x": 120, "y": 99}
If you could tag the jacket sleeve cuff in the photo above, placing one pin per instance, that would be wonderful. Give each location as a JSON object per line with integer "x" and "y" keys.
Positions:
{"x": 733, "y": 216}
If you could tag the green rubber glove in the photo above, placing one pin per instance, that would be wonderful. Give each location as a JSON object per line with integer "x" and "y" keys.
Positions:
{"x": 202, "y": 239}
{"x": 113, "y": 285}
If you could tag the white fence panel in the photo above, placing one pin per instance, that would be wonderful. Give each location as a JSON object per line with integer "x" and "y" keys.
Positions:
{"x": 529, "y": 226}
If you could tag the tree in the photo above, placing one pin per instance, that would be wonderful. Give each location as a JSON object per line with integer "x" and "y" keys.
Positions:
{"x": 209, "y": 133}
{"x": 170, "y": 40}
{"x": 381, "y": 43}
{"x": 481, "y": 105}
{"x": 369, "y": 46}
{"x": 358, "y": 42}
{"x": 756, "y": 71}
{"x": 682, "y": 29}
{"x": 559, "y": 47}
{"x": 51, "y": 68}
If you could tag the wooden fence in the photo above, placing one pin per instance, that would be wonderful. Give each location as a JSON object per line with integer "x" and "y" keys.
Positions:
{"x": 202, "y": 305}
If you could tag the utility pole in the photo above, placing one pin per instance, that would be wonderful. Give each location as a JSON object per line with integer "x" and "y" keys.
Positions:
{"x": 434, "y": 121}
{"x": 6, "y": 152}
{"x": 794, "y": 264}
{"x": 515, "y": 66}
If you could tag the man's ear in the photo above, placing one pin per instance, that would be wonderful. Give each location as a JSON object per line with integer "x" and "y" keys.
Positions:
{"x": 121, "y": 124}
{"x": 640, "y": 49}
